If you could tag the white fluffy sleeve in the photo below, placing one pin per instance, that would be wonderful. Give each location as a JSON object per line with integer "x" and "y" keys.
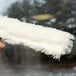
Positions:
{"x": 47, "y": 40}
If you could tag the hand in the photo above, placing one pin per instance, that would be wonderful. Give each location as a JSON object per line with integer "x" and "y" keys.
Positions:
{"x": 2, "y": 45}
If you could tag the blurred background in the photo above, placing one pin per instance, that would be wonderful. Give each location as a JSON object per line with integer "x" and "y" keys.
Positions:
{"x": 59, "y": 14}
{"x": 17, "y": 60}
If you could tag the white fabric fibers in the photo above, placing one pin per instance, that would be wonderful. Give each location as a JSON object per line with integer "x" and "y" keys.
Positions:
{"x": 47, "y": 40}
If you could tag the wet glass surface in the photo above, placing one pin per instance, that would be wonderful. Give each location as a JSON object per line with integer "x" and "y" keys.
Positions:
{"x": 17, "y": 60}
